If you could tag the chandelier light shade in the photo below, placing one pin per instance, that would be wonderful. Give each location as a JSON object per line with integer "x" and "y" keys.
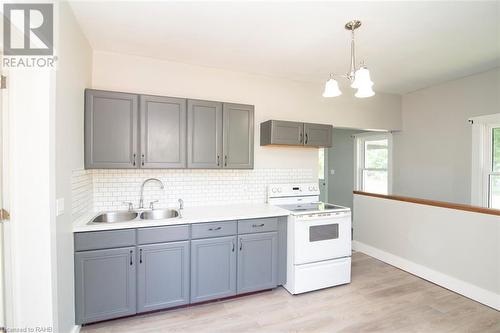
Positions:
{"x": 358, "y": 76}
{"x": 362, "y": 79}
{"x": 364, "y": 92}
{"x": 332, "y": 88}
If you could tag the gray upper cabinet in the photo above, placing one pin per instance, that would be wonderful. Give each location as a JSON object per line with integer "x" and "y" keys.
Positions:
{"x": 105, "y": 284}
{"x": 162, "y": 276}
{"x": 213, "y": 268}
{"x": 111, "y": 126}
{"x": 204, "y": 134}
{"x": 257, "y": 262}
{"x": 163, "y": 132}
{"x": 318, "y": 135}
{"x": 277, "y": 132}
{"x": 141, "y": 131}
{"x": 238, "y": 139}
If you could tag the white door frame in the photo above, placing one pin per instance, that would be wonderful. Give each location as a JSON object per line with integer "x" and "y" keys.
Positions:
{"x": 6, "y": 270}
{"x": 326, "y": 173}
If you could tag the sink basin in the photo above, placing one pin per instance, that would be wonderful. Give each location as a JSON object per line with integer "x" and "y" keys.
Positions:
{"x": 159, "y": 214}
{"x": 115, "y": 217}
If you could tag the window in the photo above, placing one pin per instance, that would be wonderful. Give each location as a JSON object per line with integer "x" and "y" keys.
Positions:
{"x": 373, "y": 163}
{"x": 485, "y": 186}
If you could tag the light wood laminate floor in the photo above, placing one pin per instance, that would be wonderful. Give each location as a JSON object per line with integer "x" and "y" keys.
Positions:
{"x": 380, "y": 298}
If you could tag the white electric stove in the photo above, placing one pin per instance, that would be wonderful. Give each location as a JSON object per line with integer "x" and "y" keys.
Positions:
{"x": 319, "y": 238}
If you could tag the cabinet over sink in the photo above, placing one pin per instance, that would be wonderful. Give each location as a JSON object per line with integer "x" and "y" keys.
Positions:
{"x": 131, "y": 131}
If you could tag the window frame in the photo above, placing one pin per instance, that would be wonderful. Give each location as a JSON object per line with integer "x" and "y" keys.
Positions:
{"x": 482, "y": 158}
{"x": 359, "y": 158}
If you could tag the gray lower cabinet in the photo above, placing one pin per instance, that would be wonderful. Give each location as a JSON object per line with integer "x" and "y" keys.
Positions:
{"x": 128, "y": 271}
{"x": 213, "y": 268}
{"x": 105, "y": 284}
{"x": 111, "y": 129}
{"x": 204, "y": 134}
{"x": 238, "y": 142}
{"x": 162, "y": 276}
{"x": 257, "y": 262}
{"x": 318, "y": 135}
{"x": 163, "y": 132}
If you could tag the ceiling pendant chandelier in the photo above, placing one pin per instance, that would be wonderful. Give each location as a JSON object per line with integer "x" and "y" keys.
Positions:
{"x": 358, "y": 76}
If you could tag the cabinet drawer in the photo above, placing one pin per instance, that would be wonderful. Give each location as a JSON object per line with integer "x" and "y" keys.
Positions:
{"x": 213, "y": 229}
{"x": 162, "y": 234}
{"x": 96, "y": 240}
{"x": 257, "y": 225}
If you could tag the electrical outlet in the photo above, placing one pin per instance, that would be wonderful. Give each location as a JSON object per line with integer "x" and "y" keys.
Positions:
{"x": 332, "y": 172}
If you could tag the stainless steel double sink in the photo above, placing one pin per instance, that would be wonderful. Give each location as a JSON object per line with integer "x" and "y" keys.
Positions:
{"x": 125, "y": 216}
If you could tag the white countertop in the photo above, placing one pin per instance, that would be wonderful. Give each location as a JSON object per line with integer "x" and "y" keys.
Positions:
{"x": 189, "y": 215}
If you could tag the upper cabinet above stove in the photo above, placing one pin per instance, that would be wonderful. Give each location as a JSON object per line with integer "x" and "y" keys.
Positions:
{"x": 278, "y": 132}
{"x": 125, "y": 130}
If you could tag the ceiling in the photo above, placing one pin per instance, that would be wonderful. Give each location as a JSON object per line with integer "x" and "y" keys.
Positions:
{"x": 407, "y": 45}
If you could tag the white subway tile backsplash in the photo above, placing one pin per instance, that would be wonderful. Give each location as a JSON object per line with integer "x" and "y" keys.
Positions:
{"x": 81, "y": 192}
{"x": 103, "y": 189}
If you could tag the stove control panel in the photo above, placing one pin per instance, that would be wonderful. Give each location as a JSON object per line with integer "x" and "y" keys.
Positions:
{"x": 292, "y": 190}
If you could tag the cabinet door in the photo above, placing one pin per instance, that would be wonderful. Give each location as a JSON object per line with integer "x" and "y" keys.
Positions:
{"x": 105, "y": 284}
{"x": 213, "y": 268}
{"x": 257, "y": 262}
{"x": 111, "y": 126}
{"x": 318, "y": 135}
{"x": 163, "y": 132}
{"x": 204, "y": 134}
{"x": 238, "y": 136}
{"x": 163, "y": 276}
{"x": 287, "y": 132}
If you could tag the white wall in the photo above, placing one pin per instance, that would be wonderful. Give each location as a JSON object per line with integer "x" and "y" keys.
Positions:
{"x": 273, "y": 98}
{"x": 456, "y": 249}
{"x": 432, "y": 154}
{"x": 73, "y": 76}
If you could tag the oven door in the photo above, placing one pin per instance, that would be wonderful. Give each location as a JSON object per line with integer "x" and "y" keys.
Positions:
{"x": 322, "y": 236}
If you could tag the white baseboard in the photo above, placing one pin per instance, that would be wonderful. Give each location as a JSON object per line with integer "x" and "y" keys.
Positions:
{"x": 76, "y": 329}
{"x": 466, "y": 289}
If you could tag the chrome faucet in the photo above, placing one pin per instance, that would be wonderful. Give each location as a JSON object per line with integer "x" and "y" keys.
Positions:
{"x": 181, "y": 207}
{"x": 141, "y": 201}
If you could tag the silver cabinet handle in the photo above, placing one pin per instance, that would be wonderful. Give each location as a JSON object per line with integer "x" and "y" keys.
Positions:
{"x": 300, "y": 137}
{"x": 131, "y": 255}
{"x": 258, "y": 225}
{"x": 225, "y": 160}
{"x": 142, "y": 159}
{"x": 307, "y": 139}
{"x": 241, "y": 244}
{"x": 215, "y": 229}
{"x": 233, "y": 246}
{"x": 133, "y": 159}
{"x": 140, "y": 256}
{"x": 218, "y": 160}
